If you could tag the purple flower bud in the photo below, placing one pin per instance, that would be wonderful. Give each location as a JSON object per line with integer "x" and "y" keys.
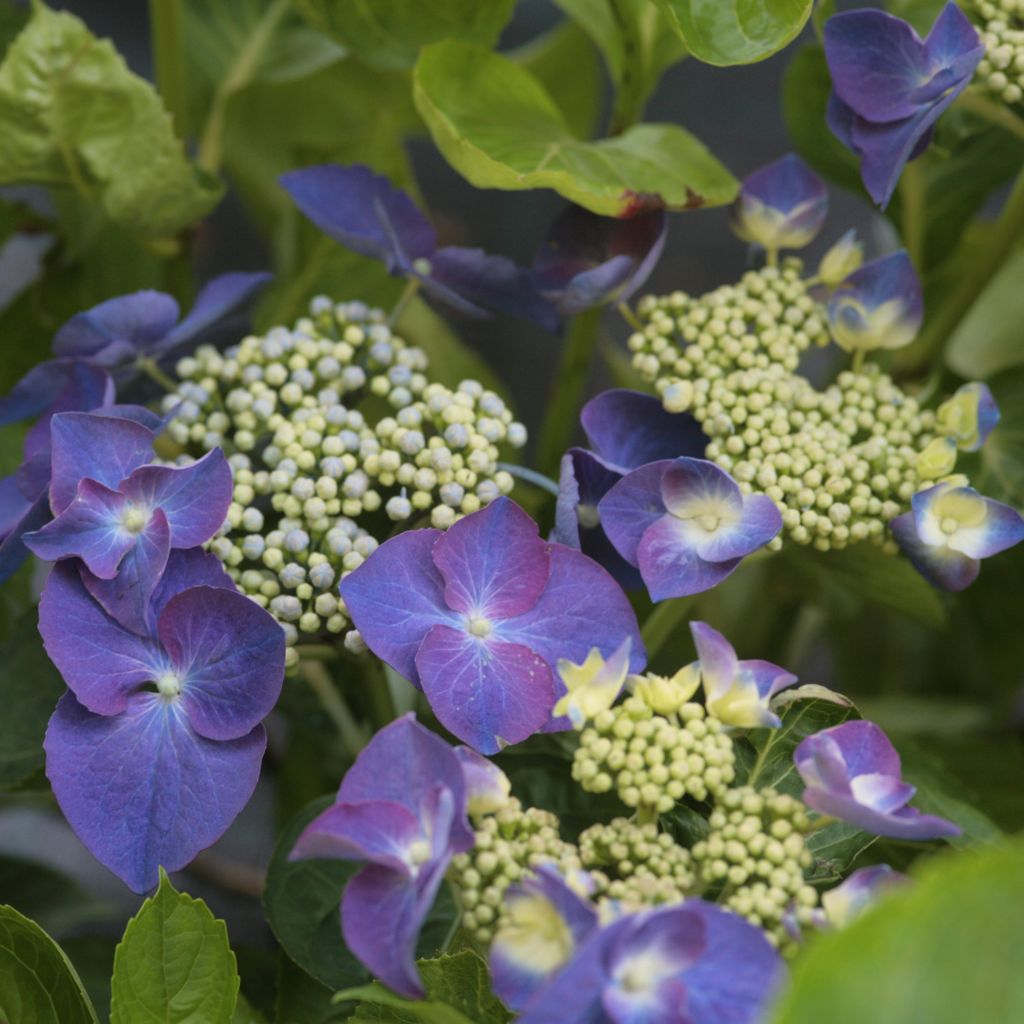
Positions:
{"x": 781, "y": 205}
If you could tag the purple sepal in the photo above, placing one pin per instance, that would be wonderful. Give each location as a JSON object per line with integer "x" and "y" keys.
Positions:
{"x": 780, "y": 206}
{"x": 487, "y": 786}
{"x": 142, "y": 789}
{"x": 858, "y": 892}
{"x": 852, "y": 772}
{"x": 57, "y": 385}
{"x": 587, "y": 260}
{"x": 12, "y": 549}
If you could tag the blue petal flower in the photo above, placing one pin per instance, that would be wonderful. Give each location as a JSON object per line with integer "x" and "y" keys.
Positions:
{"x": 969, "y": 416}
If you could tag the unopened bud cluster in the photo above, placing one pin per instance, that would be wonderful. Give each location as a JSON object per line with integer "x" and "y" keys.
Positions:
{"x": 1001, "y": 24}
{"x": 841, "y": 462}
{"x": 509, "y": 843}
{"x": 755, "y": 856}
{"x": 652, "y": 761}
{"x": 636, "y": 865}
{"x": 335, "y": 433}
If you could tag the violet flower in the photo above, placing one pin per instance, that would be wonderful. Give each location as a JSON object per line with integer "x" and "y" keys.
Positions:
{"x": 685, "y": 524}
{"x": 847, "y": 901}
{"x": 852, "y": 772}
{"x": 969, "y": 416}
{"x": 780, "y": 206}
{"x": 625, "y": 430}
{"x": 367, "y": 214}
{"x": 949, "y": 529}
{"x": 478, "y": 617}
{"x": 587, "y": 260}
{"x": 402, "y": 809}
{"x": 158, "y": 746}
{"x": 487, "y": 787}
{"x": 891, "y": 87}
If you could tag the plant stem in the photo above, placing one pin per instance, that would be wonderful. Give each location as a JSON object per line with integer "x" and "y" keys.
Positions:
{"x": 663, "y": 622}
{"x": 630, "y": 317}
{"x": 320, "y": 682}
{"x": 569, "y": 381}
{"x": 375, "y": 688}
{"x": 996, "y": 113}
{"x": 912, "y": 212}
{"x": 857, "y": 363}
{"x": 631, "y": 89}
{"x": 530, "y": 476}
{"x": 150, "y": 368}
{"x": 167, "y": 30}
{"x": 412, "y": 286}
{"x": 239, "y": 75}
{"x": 646, "y": 815}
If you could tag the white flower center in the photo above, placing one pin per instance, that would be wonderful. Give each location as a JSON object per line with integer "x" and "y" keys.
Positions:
{"x": 709, "y": 521}
{"x": 168, "y": 685}
{"x": 587, "y": 516}
{"x": 419, "y": 851}
{"x": 479, "y": 626}
{"x": 134, "y": 519}
{"x": 949, "y": 525}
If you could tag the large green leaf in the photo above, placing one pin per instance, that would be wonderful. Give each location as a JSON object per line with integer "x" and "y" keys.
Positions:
{"x": 390, "y": 33}
{"x": 174, "y": 964}
{"x": 73, "y": 115}
{"x": 29, "y": 687}
{"x": 499, "y": 128}
{"x": 728, "y": 32}
{"x": 943, "y": 951}
{"x": 38, "y": 985}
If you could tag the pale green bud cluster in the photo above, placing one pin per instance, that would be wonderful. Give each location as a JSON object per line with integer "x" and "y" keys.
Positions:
{"x": 653, "y": 761}
{"x": 335, "y": 433}
{"x": 509, "y": 843}
{"x": 840, "y": 463}
{"x": 756, "y": 855}
{"x": 1001, "y": 24}
{"x": 636, "y": 864}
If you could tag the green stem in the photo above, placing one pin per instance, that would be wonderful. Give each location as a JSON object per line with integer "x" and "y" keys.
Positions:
{"x": 772, "y": 257}
{"x": 630, "y": 317}
{"x": 646, "y": 815}
{"x": 412, "y": 286}
{"x": 569, "y": 381}
{"x": 375, "y": 689}
{"x": 663, "y": 622}
{"x": 912, "y": 212}
{"x": 1003, "y": 237}
{"x": 530, "y": 476}
{"x": 152, "y": 370}
{"x": 996, "y": 113}
{"x": 762, "y": 757}
{"x": 320, "y": 682}
{"x": 239, "y": 75}
{"x": 857, "y": 364}
{"x": 167, "y": 29}
{"x": 631, "y": 89}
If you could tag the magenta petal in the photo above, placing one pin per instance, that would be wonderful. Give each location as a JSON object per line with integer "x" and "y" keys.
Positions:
{"x": 102, "y": 448}
{"x": 633, "y": 505}
{"x": 194, "y": 498}
{"x": 378, "y": 831}
{"x": 493, "y": 563}
{"x": 670, "y": 565}
{"x": 229, "y": 655}
{"x": 488, "y": 693}
{"x": 100, "y": 660}
{"x": 89, "y": 528}
{"x": 141, "y": 789}
{"x": 395, "y": 596}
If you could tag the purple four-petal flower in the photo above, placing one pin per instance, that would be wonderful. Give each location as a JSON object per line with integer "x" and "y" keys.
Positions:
{"x": 478, "y": 617}
{"x": 685, "y": 524}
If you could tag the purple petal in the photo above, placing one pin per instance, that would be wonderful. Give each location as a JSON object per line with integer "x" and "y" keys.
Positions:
{"x": 582, "y": 607}
{"x": 629, "y": 429}
{"x": 768, "y": 677}
{"x": 953, "y": 41}
{"x": 943, "y": 567}
{"x": 191, "y": 568}
{"x": 632, "y": 506}
{"x": 907, "y": 823}
{"x": 229, "y": 655}
{"x": 127, "y": 596}
{"x": 866, "y": 885}
{"x": 688, "y": 481}
{"x": 840, "y": 119}
{"x": 364, "y": 212}
{"x": 781, "y": 206}
{"x": 493, "y": 563}
{"x": 141, "y": 789}
{"x": 13, "y": 504}
{"x": 118, "y": 330}
{"x": 377, "y": 831}
{"x": 487, "y": 786}
{"x": 661, "y": 1002}
{"x": 100, "y": 660}
{"x": 883, "y": 793}
{"x": 1002, "y": 529}
{"x": 889, "y": 282}
{"x": 103, "y": 448}
{"x": 864, "y": 747}
{"x": 12, "y": 549}
{"x": 718, "y": 662}
{"x": 57, "y": 385}
{"x": 194, "y": 498}
{"x": 395, "y": 596}
{"x": 220, "y": 298}
{"x": 90, "y": 528}
{"x": 761, "y": 520}
{"x": 669, "y": 563}
{"x": 489, "y": 693}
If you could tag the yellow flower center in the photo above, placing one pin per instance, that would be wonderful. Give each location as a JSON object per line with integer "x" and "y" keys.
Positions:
{"x": 479, "y": 626}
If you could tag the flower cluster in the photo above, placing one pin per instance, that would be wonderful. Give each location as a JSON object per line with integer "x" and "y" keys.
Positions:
{"x": 334, "y": 431}
{"x": 1002, "y": 31}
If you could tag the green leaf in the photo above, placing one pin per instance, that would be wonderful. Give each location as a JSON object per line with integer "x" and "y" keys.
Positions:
{"x": 458, "y": 992}
{"x": 988, "y": 339}
{"x": 904, "y": 960}
{"x": 245, "y": 1013}
{"x": 38, "y": 985}
{"x": 301, "y": 1000}
{"x": 174, "y": 964}
{"x": 31, "y": 685}
{"x": 390, "y": 33}
{"x": 499, "y": 128}
{"x": 73, "y": 115}
{"x": 727, "y": 32}
{"x": 1002, "y": 457}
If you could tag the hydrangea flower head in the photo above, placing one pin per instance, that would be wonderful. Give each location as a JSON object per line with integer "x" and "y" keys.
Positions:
{"x": 158, "y": 746}
{"x": 737, "y": 692}
{"x": 950, "y": 528}
{"x": 969, "y": 416}
{"x": 401, "y": 808}
{"x": 890, "y": 86}
{"x": 478, "y": 617}
{"x": 781, "y": 205}
{"x": 593, "y": 686}
{"x": 588, "y": 260}
{"x": 852, "y": 772}
{"x": 625, "y": 430}
{"x": 667, "y": 694}
{"x": 879, "y": 305}
{"x": 685, "y": 524}
{"x": 368, "y": 215}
